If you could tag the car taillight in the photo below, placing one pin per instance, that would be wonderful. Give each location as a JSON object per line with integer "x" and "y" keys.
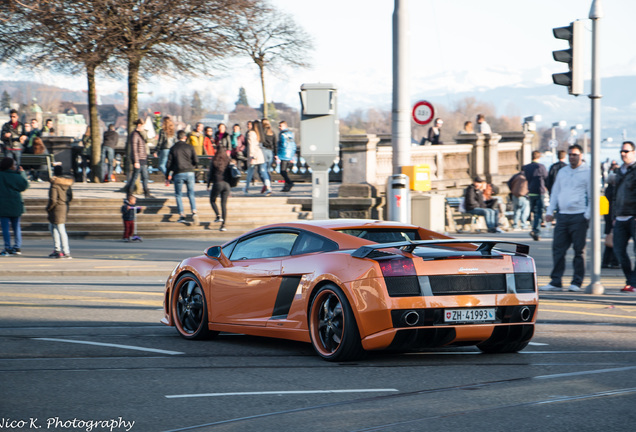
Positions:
{"x": 525, "y": 280}
{"x": 397, "y": 267}
{"x": 522, "y": 264}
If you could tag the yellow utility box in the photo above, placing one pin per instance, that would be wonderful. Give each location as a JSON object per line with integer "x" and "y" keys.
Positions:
{"x": 604, "y": 207}
{"x": 419, "y": 177}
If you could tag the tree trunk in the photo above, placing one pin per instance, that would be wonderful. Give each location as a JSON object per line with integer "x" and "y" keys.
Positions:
{"x": 265, "y": 110}
{"x": 133, "y": 107}
{"x": 96, "y": 147}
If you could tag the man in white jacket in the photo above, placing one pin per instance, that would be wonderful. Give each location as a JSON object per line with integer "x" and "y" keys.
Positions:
{"x": 570, "y": 199}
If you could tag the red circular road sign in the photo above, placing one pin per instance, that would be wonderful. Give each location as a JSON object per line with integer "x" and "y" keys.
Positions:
{"x": 423, "y": 112}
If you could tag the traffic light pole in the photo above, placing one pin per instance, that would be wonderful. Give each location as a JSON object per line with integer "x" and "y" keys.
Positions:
{"x": 596, "y": 287}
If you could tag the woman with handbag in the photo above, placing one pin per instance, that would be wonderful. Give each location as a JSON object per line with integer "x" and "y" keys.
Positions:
{"x": 221, "y": 176}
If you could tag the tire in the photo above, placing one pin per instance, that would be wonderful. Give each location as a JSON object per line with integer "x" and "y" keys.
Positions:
{"x": 190, "y": 309}
{"x": 332, "y": 326}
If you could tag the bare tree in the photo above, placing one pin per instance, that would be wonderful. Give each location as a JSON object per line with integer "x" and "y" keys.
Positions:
{"x": 168, "y": 36}
{"x": 66, "y": 35}
{"x": 271, "y": 39}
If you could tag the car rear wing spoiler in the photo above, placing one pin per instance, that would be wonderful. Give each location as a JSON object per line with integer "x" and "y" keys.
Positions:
{"x": 484, "y": 246}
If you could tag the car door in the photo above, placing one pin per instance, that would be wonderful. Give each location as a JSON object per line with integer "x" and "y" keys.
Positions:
{"x": 245, "y": 293}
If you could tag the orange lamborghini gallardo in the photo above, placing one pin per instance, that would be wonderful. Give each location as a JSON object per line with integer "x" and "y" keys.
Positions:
{"x": 351, "y": 286}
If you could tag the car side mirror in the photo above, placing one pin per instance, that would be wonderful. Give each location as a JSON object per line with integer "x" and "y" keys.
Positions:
{"x": 216, "y": 253}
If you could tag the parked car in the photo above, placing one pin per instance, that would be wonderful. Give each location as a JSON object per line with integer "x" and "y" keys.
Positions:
{"x": 351, "y": 286}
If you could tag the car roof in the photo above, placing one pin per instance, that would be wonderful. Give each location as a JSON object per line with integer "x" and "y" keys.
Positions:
{"x": 331, "y": 229}
{"x": 339, "y": 224}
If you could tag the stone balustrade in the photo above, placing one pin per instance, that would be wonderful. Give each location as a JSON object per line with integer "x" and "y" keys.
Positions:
{"x": 367, "y": 159}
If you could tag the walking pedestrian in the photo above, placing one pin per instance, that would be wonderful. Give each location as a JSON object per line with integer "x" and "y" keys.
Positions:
{"x": 625, "y": 213}
{"x": 139, "y": 154}
{"x": 609, "y": 259}
{"x": 518, "y": 185}
{"x": 60, "y": 197}
{"x": 286, "y": 153}
{"x": 182, "y": 162}
{"x": 256, "y": 159}
{"x": 536, "y": 174}
{"x": 219, "y": 176}
{"x": 165, "y": 141}
{"x": 13, "y": 182}
{"x": 111, "y": 138}
{"x": 570, "y": 201}
{"x": 269, "y": 145}
{"x": 554, "y": 169}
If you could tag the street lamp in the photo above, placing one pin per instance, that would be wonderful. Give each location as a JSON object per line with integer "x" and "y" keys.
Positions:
{"x": 553, "y": 141}
{"x": 529, "y": 123}
{"x": 574, "y": 133}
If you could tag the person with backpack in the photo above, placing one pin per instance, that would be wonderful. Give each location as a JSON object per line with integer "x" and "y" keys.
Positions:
{"x": 286, "y": 153}
{"x": 518, "y": 185}
{"x": 536, "y": 174}
{"x": 222, "y": 179}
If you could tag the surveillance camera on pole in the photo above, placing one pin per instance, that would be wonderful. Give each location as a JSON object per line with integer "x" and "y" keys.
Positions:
{"x": 573, "y": 56}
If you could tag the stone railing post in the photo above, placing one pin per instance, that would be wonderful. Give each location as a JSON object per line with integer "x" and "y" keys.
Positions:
{"x": 491, "y": 156}
{"x": 359, "y": 159}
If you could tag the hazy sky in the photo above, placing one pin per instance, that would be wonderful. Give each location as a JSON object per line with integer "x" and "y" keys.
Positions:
{"x": 456, "y": 45}
{"x": 483, "y": 43}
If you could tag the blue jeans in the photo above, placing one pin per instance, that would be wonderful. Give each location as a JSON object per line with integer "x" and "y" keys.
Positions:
{"x": 11, "y": 223}
{"x": 163, "y": 160}
{"x": 60, "y": 238}
{"x": 491, "y": 216}
{"x": 537, "y": 208}
{"x": 623, "y": 231}
{"x": 143, "y": 169}
{"x": 262, "y": 171}
{"x": 15, "y": 155}
{"x": 269, "y": 158}
{"x": 522, "y": 211}
{"x": 107, "y": 168}
{"x": 179, "y": 180}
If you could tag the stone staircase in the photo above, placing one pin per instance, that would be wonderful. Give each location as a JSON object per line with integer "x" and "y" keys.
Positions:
{"x": 101, "y": 218}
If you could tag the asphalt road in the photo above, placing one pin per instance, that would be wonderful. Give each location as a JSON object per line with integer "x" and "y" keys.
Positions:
{"x": 81, "y": 343}
{"x": 85, "y": 349}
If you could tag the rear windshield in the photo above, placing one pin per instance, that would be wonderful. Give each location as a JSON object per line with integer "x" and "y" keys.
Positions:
{"x": 383, "y": 235}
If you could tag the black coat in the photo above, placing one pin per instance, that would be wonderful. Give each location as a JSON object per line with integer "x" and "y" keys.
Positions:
{"x": 625, "y": 196}
{"x": 182, "y": 158}
{"x": 473, "y": 198}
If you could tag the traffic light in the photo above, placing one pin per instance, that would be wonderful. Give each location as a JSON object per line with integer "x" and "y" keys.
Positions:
{"x": 573, "y": 57}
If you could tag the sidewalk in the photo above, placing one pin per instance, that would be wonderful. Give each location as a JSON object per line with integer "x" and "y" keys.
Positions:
{"x": 160, "y": 190}
{"x": 158, "y": 257}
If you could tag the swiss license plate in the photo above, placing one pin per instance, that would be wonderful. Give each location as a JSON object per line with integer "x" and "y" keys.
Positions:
{"x": 469, "y": 315}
